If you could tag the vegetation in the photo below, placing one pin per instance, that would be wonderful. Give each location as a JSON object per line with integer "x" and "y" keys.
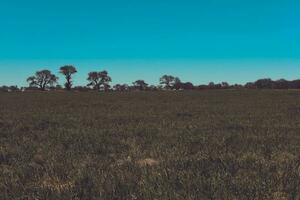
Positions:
{"x": 42, "y": 79}
{"x": 68, "y": 71}
{"x": 100, "y": 81}
{"x": 140, "y": 85}
{"x": 168, "y": 81}
{"x": 213, "y": 144}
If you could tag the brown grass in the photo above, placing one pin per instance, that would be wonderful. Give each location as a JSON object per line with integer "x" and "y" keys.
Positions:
{"x": 233, "y": 144}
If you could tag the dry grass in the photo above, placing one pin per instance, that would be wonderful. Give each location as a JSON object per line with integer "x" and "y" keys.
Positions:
{"x": 150, "y": 145}
{"x": 147, "y": 162}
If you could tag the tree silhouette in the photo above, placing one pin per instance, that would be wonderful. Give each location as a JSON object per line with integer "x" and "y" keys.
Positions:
{"x": 98, "y": 80}
{"x": 281, "y": 84}
{"x": 187, "y": 86}
{"x": 42, "y": 79}
{"x": 68, "y": 71}
{"x": 265, "y": 83}
{"x": 225, "y": 85}
{"x": 121, "y": 87}
{"x": 140, "y": 85}
{"x": 169, "y": 81}
{"x": 250, "y": 85}
{"x": 211, "y": 85}
{"x": 12, "y": 88}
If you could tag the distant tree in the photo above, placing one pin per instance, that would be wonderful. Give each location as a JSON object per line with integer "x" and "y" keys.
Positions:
{"x": 188, "y": 86}
{"x": 169, "y": 81}
{"x": 140, "y": 85}
{"x": 225, "y": 85}
{"x": 266, "y": 83}
{"x": 159, "y": 87}
{"x": 42, "y": 79}
{"x": 81, "y": 88}
{"x": 22, "y": 89}
{"x": 99, "y": 80}
{"x": 117, "y": 87}
{"x": 68, "y": 71}
{"x": 105, "y": 87}
{"x": 281, "y": 84}
{"x": 211, "y": 85}
{"x": 237, "y": 86}
{"x": 12, "y": 88}
{"x": 34, "y": 88}
{"x": 153, "y": 88}
{"x": 250, "y": 85}
{"x": 58, "y": 87}
{"x": 218, "y": 86}
{"x": 295, "y": 84}
{"x": 121, "y": 87}
{"x": 4, "y": 88}
{"x": 177, "y": 84}
{"x": 202, "y": 87}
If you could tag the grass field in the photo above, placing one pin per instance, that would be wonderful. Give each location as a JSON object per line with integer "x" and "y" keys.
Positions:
{"x": 224, "y": 144}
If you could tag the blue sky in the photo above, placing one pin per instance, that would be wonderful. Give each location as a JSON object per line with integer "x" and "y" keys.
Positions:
{"x": 199, "y": 41}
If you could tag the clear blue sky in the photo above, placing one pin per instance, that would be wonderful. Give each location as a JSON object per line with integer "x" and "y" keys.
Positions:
{"x": 200, "y": 41}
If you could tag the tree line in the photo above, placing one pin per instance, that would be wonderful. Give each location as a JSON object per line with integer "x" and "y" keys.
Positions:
{"x": 100, "y": 81}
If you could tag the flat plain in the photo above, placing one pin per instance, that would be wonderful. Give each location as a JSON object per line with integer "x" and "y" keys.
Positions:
{"x": 214, "y": 144}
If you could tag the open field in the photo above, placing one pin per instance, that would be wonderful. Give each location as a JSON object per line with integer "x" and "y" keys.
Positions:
{"x": 222, "y": 144}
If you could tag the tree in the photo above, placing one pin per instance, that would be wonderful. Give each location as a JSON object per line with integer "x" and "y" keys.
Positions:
{"x": 187, "y": 86}
{"x": 169, "y": 81}
{"x": 250, "y": 85}
{"x": 218, "y": 86}
{"x": 42, "y": 79}
{"x": 237, "y": 86}
{"x": 281, "y": 84}
{"x": 225, "y": 85}
{"x": 81, "y": 88}
{"x": 68, "y": 71}
{"x": 177, "y": 85}
{"x": 58, "y": 87}
{"x": 266, "y": 83}
{"x": 153, "y": 88}
{"x": 99, "y": 80}
{"x": 12, "y": 88}
{"x": 202, "y": 87}
{"x": 121, "y": 87}
{"x": 211, "y": 85}
{"x": 140, "y": 85}
{"x": 295, "y": 84}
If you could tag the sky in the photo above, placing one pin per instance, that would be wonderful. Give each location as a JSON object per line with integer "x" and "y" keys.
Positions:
{"x": 199, "y": 41}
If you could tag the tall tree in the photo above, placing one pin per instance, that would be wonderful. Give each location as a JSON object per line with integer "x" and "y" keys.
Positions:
{"x": 140, "y": 85}
{"x": 169, "y": 81}
{"x": 68, "y": 71}
{"x": 42, "y": 79}
{"x": 98, "y": 80}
